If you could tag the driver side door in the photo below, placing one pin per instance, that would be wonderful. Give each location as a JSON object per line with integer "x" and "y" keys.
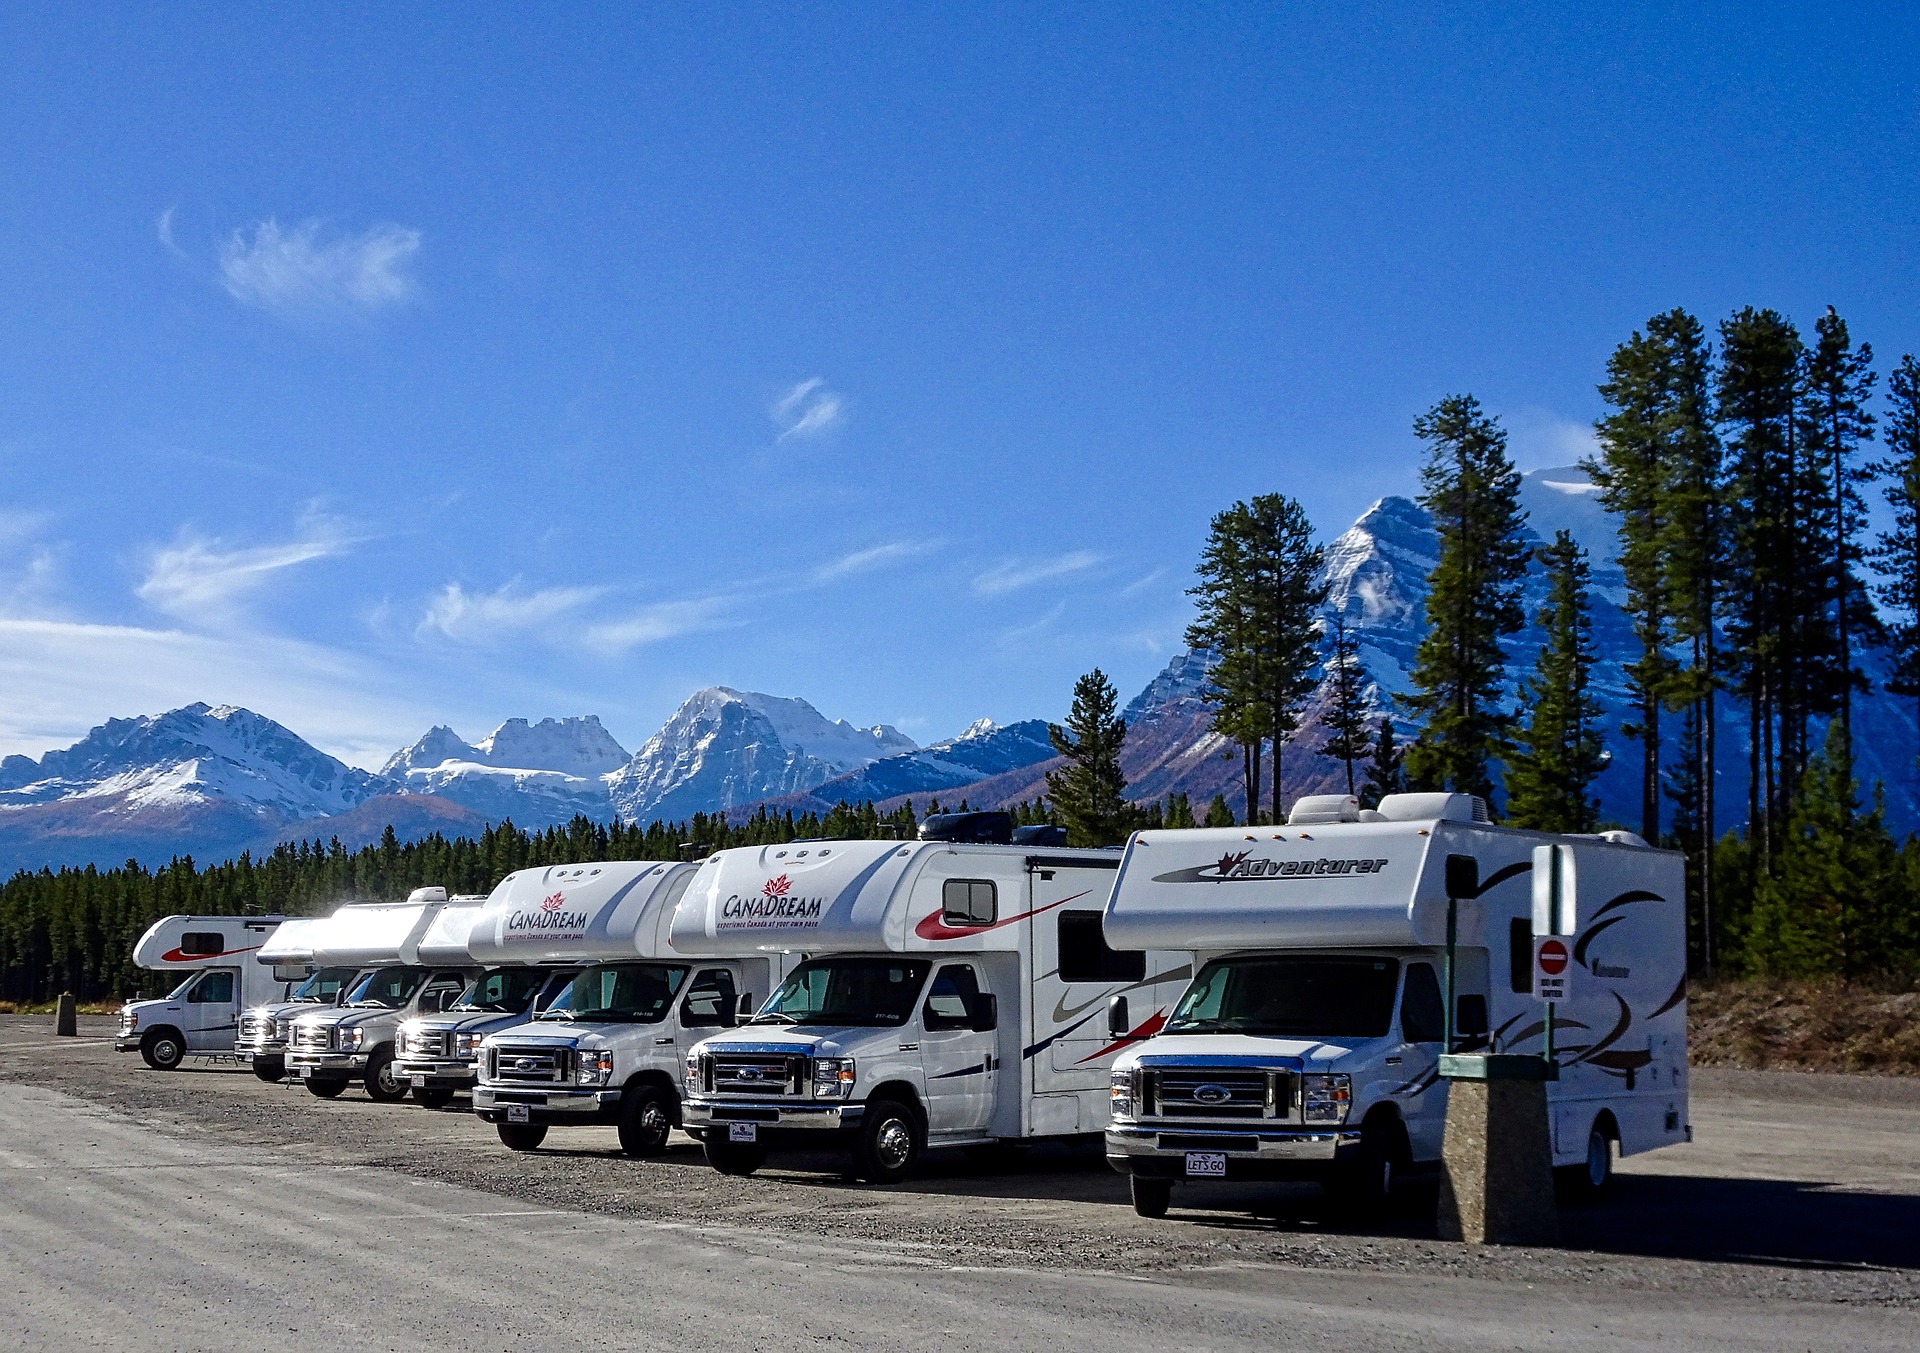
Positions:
{"x": 959, "y": 1061}
{"x": 213, "y": 1011}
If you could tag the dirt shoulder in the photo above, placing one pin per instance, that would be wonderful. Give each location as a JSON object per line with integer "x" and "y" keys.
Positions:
{"x": 1804, "y": 1026}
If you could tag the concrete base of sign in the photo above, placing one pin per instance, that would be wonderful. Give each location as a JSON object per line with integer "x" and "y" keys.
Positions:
{"x": 1496, "y": 1182}
{"x": 66, "y": 1016}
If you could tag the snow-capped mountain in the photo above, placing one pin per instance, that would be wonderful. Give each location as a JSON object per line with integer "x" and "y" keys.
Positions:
{"x": 537, "y": 775}
{"x": 983, "y": 751}
{"x": 725, "y": 748}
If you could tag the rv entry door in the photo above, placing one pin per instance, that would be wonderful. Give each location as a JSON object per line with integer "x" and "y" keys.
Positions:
{"x": 957, "y": 1058}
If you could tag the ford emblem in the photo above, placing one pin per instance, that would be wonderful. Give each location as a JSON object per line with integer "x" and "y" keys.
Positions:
{"x": 524, "y": 1064}
{"x": 1212, "y": 1094}
{"x": 749, "y": 1073}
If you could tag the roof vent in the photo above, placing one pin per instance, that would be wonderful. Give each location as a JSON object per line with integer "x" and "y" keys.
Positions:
{"x": 1314, "y": 809}
{"x": 1622, "y": 838}
{"x": 427, "y": 895}
{"x": 1434, "y": 807}
{"x": 975, "y": 828}
{"x": 1040, "y": 836}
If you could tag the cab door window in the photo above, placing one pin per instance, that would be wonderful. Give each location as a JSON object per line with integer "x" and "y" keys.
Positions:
{"x": 711, "y": 1001}
{"x": 952, "y": 998}
{"x": 1422, "y": 1012}
{"x": 213, "y": 988}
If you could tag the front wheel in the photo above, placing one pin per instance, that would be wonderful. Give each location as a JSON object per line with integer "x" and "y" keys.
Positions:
{"x": 383, "y": 1083}
{"x": 163, "y": 1050}
{"x": 269, "y": 1068}
{"x": 326, "y": 1088}
{"x": 889, "y": 1143}
{"x": 646, "y": 1117}
{"x": 1365, "y": 1182}
{"x": 433, "y": 1096}
{"x": 522, "y": 1136}
{"x": 734, "y": 1158}
{"x": 1151, "y": 1197}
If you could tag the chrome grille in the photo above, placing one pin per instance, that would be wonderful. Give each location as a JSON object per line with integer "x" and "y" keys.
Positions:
{"x": 538, "y": 1065}
{"x": 428, "y": 1043}
{"x": 754, "y": 1073}
{"x": 312, "y": 1037}
{"x": 283, "y": 1027}
{"x": 255, "y": 1026}
{"x": 1176, "y": 1092}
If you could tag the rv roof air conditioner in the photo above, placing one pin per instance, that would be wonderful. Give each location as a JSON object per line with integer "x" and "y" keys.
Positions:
{"x": 1314, "y": 809}
{"x": 1432, "y": 807}
{"x": 420, "y": 895}
{"x": 974, "y": 828}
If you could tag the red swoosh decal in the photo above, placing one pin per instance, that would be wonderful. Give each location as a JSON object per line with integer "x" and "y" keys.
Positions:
{"x": 175, "y": 956}
{"x": 931, "y": 927}
{"x": 1147, "y": 1030}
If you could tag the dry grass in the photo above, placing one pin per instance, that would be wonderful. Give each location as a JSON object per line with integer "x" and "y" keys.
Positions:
{"x": 1805, "y": 1026}
{"x": 46, "y": 1008}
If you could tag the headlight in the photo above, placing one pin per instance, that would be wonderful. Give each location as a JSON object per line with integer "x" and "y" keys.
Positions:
{"x": 128, "y": 1022}
{"x": 1325, "y": 1099}
{"x": 467, "y": 1045}
{"x": 593, "y": 1068}
{"x": 693, "y": 1073}
{"x": 349, "y": 1040}
{"x": 832, "y": 1077}
{"x": 1121, "y": 1094}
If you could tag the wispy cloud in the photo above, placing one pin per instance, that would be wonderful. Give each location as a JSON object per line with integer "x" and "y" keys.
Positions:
{"x": 653, "y": 624}
{"x": 1540, "y": 439}
{"x": 1033, "y": 629}
{"x": 204, "y": 582}
{"x": 807, "y": 410}
{"x": 1015, "y": 574}
{"x": 164, "y": 229}
{"x": 487, "y": 617}
{"x": 861, "y": 561}
{"x": 306, "y": 270}
{"x": 1142, "y": 584}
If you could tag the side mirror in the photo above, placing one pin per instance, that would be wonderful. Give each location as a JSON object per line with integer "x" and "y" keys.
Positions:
{"x": 986, "y": 1012}
{"x": 1118, "y": 1025}
{"x": 1463, "y": 877}
{"x": 1470, "y": 1016}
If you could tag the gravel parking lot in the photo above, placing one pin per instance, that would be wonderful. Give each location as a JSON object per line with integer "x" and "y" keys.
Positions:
{"x": 1798, "y": 1189}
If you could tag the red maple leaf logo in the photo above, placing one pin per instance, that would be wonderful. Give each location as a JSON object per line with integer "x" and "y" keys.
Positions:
{"x": 553, "y": 903}
{"x": 1229, "y": 861}
{"x": 777, "y": 887}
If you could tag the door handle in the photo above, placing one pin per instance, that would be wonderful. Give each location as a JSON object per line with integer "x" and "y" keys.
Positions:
{"x": 1393, "y": 1061}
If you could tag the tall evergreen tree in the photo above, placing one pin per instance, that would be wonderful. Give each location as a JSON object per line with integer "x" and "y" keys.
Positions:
{"x": 1472, "y": 492}
{"x": 1839, "y": 382}
{"x": 1089, "y": 793}
{"x": 1346, "y": 695}
{"x": 1896, "y": 554}
{"x": 1384, "y": 775}
{"x": 1550, "y": 772}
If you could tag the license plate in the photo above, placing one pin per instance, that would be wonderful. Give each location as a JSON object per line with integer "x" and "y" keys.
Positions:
{"x": 743, "y": 1132}
{"x": 1206, "y": 1165}
{"x": 419, "y": 1082}
{"x": 299, "y": 1071}
{"x": 516, "y": 1113}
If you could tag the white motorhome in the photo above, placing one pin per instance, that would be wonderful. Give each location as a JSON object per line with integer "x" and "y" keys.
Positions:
{"x": 262, "y": 1038}
{"x": 951, "y": 994}
{"x": 201, "y": 1014}
{"x": 328, "y": 1049}
{"x": 437, "y": 1054}
{"x": 608, "y": 1047}
{"x": 1309, "y": 1041}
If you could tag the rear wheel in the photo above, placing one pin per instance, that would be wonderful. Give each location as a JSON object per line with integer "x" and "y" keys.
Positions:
{"x": 384, "y": 1085}
{"x": 1151, "y": 1197}
{"x": 646, "y": 1117}
{"x": 522, "y": 1136}
{"x": 269, "y": 1068}
{"x": 735, "y": 1158}
{"x": 1592, "y": 1179}
{"x": 163, "y": 1050}
{"x": 325, "y": 1087}
{"x": 889, "y": 1145}
{"x": 433, "y": 1096}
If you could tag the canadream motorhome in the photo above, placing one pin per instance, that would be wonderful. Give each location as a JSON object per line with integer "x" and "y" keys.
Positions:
{"x": 1310, "y": 1039}
{"x": 201, "y": 1014}
{"x": 262, "y": 1038}
{"x": 951, "y": 994}
{"x": 330, "y": 1048}
{"x": 608, "y": 1047}
{"x": 436, "y": 1054}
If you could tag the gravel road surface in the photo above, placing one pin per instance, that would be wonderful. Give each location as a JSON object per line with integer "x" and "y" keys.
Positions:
{"x": 203, "y": 1208}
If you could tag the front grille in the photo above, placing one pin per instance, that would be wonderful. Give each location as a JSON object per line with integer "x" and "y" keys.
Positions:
{"x": 753, "y": 1073}
{"x": 530, "y": 1065}
{"x": 1177, "y": 1092}
{"x": 312, "y": 1037}
{"x": 283, "y": 1028}
{"x": 428, "y": 1043}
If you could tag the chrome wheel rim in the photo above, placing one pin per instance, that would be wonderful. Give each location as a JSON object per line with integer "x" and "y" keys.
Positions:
{"x": 1599, "y": 1159}
{"x": 893, "y": 1144}
{"x": 388, "y": 1081}
{"x": 653, "y": 1122}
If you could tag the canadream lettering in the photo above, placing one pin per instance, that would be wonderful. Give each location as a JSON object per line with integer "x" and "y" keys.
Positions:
{"x": 758, "y": 907}
{"x": 546, "y": 920}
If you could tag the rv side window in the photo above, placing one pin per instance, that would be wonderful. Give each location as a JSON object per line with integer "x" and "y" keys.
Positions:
{"x": 200, "y": 943}
{"x": 1085, "y": 957}
{"x": 1422, "y": 1012}
{"x": 969, "y": 902}
{"x": 951, "y": 999}
{"x": 215, "y": 988}
{"x": 1520, "y": 954}
{"x": 710, "y": 1001}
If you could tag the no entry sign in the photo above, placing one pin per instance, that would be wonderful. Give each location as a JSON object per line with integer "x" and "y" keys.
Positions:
{"x": 1551, "y": 968}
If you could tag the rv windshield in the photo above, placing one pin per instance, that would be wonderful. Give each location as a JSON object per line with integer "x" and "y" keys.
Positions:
{"x": 502, "y": 991}
{"x": 388, "y": 987}
{"x": 633, "y": 993}
{"x": 1291, "y": 997}
{"x": 847, "y": 991}
{"x": 323, "y": 985}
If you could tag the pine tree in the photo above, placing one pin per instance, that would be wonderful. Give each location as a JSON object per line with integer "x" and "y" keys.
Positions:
{"x": 1346, "y": 686}
{"x": 1218, "y": 814}
{"x": 1550, "y": 773}
{"x": 1896, "y": 554}
{"x": 1089, "y": 794}
{"x": 1839, "y": 382}
{"x": 1179, "y": 813}
{"x": 1472, "y": 493}
{"x": 1383, "y": 770}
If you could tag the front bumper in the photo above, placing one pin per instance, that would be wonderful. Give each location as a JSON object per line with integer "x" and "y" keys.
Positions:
{"x": 560, "y": 1104}
{"x": 774, "y": 1117}
{"x": 259, "y": 1047}
{"x": 126, "y": 1042}
{"x": 435, "y": 1073}
{"x": 1159, "y": 1150}
{"x": 324, "y": 1064}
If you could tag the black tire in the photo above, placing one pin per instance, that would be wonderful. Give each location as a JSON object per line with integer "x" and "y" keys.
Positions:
{"x": 734, "y": 1158}
{"x": 327, "y": 1087}
{"x": 522, "y": 1136}
{"x": 269, "y": 1068}
{"x": 646, "y": 1117}
{"x": 1592, "y": 1181}
{"x": 1364, "y": 1183}
{"x": 889, "y": 1143}
{"x": 1151, "y": 1197}
{"x": 433, "y": 1096}
{"x": 163, "y": 1050}
{"x": 383, "y": 1086}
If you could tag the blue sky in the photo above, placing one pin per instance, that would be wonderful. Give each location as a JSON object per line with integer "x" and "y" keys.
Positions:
{"x": 375, "y": 371}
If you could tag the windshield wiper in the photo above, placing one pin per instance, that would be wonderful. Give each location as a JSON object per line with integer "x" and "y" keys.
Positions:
{"x": 769, "y": 1016}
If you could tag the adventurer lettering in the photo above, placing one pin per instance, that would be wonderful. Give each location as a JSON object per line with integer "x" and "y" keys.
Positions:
{"x": 1239, "y": 867}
